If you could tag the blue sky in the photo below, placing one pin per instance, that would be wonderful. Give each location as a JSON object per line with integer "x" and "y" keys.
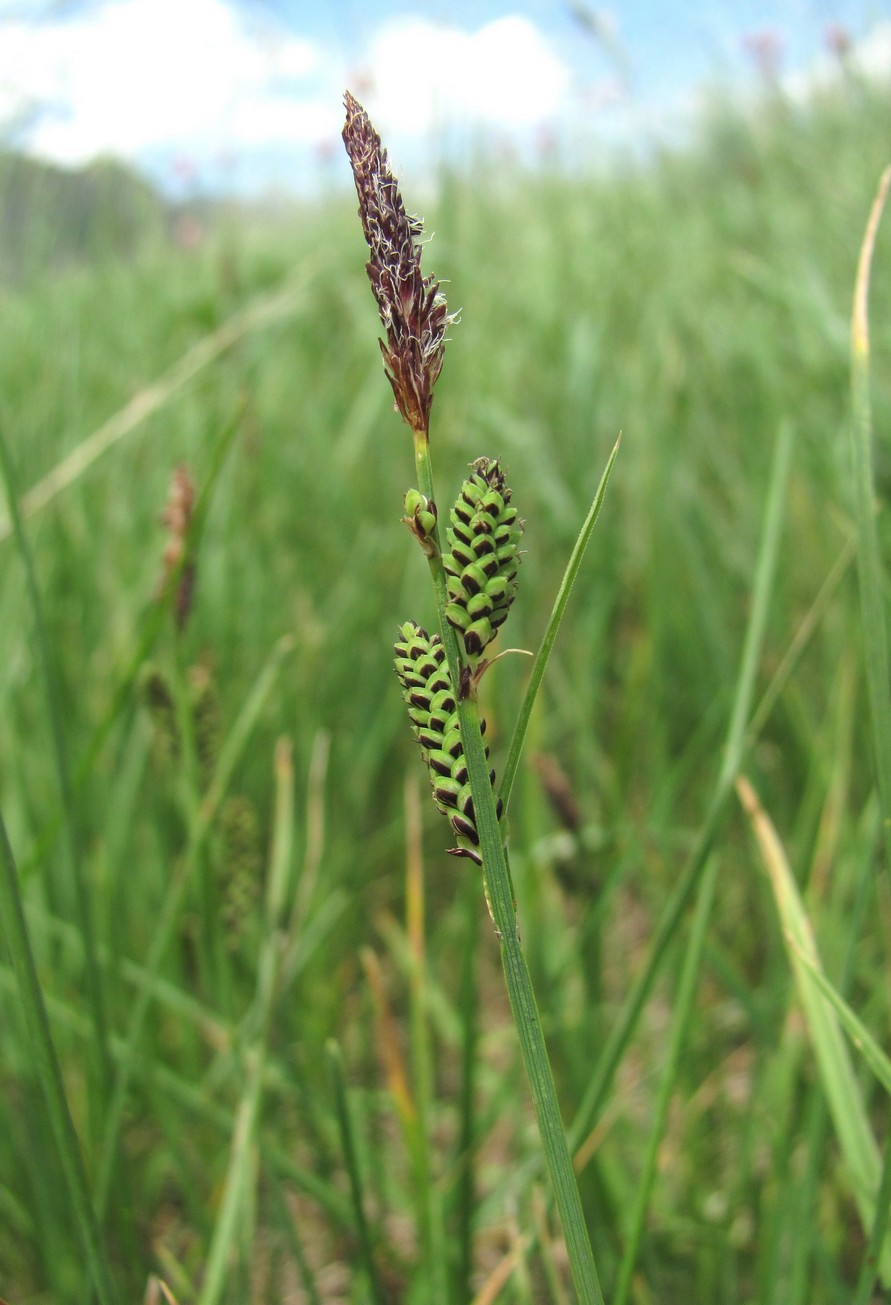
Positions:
{"x": 221, "y": 94}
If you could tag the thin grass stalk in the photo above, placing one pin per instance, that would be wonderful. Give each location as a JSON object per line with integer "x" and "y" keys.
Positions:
{"x": 415, "y": 317}
{"x": 169, "y": 913}
{"x": 736, "y": 745}
{"x": 193, "y": 1099}
{"x": 15, "y": 931}
{"x": 430, "y": 1206}
{"x": 189, "y": 792}
{"x": 500, "y": 895}
{"x": 151, "y": 623}
{"x": 683, "y": 1009}
{"x": 862, "y": 1041}
{"x": 413, "y": 1117}
{"x": 543, "y": 655}
{"x": 348, "y": 1146}
{"x": 872, "y": 607}
{"x": 742, "y": 705}
{"x": 468, "y": 999}
{"x": 241, "y": 1176}
{"x": 869, "y": 1267}
{"x": 858, "y": 915}
{"x": 239, "y": 1182}
{"x": 288, "y": 1224}
{"x": 837, "y": 1077}
{"x": 808, "y": 625}
{"x": 869, "y": 567}
{"x": 70, "y": 840}
{"x": 805, "y": 1187}
{"x": 526, "y": 1017}
{"x": 262, "y": 312}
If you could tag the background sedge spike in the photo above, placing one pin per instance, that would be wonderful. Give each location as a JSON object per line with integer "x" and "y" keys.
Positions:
{"x": 412, "y": 307}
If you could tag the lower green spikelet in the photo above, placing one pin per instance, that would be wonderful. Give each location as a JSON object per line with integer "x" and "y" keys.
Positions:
{"x": 433, "y": 712}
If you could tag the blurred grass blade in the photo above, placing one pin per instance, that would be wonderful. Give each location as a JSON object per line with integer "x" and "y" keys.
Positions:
{"x": 351, "y": 1159}
{"x": 843, "y": 1092}
{"x": 734, "y": 750}
{"x": 43, "y": 1051}
{"x": 430, "y": 1212}
{"x": 765, "y": 573}
{"x": 100, "y": 1056}
{"x": 239, "y": 1184}
{"x": 864, "y": 1293}
{"x": 261, "y": 313}
{"x": 869, "y": 567}
{"x": 550, "y": 634}
{"x": 151, "y": 623}
{"x": 241, "y": 1176}
{"x": 859, "y": 1034}
{"x": 229, "y": 756}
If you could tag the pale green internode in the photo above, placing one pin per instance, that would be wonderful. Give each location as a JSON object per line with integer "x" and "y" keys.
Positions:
{"x": 481, "y": 565}
{"x": 433, "y": 711}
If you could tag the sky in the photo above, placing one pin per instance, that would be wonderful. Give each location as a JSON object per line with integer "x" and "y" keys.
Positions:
{"x": 245, "y": 95}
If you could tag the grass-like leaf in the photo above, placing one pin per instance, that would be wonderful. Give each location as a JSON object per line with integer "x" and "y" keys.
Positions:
{"x": 869, "y": 567}
{"x": 860, "y": 1036}
{"x": 240, "y": 1184}
{"x": 201, "y": 825}
{"x": 346, "y": 1129}
{"x": 837, "y": 1076}
{"x": 15, "y": 932}
{"x": 263, "y": 312}
{"x": 550, "y": 635}
{"x": 59, "y": 751}
{"x": 742, "y": 705}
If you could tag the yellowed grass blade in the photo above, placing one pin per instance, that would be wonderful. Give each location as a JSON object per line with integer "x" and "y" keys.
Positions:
{"x": 843, "y": 1095}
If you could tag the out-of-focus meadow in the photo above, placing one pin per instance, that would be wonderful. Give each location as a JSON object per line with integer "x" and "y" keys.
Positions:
{"x": 700, "y": 304}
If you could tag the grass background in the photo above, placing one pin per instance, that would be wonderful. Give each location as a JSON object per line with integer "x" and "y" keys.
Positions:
{"x": 699, "y": 304}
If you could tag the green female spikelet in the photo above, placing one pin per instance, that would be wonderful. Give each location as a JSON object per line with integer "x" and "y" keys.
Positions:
{"x": 481, "y": 565}
{"x": 433, "y": 712}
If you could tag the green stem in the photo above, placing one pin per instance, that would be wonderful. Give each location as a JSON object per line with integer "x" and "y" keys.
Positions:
{"x": 469, "y": 1007}
{"x": 738, "y": 739}
{"x": 59, "y": 752}
{"x": 15, "y": 931}
{"x": 241, "y": 1177}
{"x": 543, "y": 655}
{"x": 872, "y": 605}
{"x": 351, "y": 1159}
{"x": 169, "y": 912}
{"x": 499, "y": 892}
{"x": 430, "y": 1227}
{"x": 684, "y": 1006}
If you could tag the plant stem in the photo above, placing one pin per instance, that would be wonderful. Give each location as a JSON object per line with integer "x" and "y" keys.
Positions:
{"x": 15, "y": 931}
{"x": 499, "y": 893}
{"x": 872, "y": 602}
{"x": 70, "y": 842}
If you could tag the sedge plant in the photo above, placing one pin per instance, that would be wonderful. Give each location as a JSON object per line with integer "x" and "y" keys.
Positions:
{"x": 473, "y": 568}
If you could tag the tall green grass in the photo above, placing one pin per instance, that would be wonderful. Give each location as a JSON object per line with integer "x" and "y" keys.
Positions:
{"x": 269, "y": 1090}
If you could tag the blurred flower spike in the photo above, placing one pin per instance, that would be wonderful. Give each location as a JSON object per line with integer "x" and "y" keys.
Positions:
{"x": 412, "y": 308}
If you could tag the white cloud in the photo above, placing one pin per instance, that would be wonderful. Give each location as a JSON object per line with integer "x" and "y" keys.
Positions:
{"x": 870, "y": 57}
{"x": 131, "y": 75}
{"x": 422, "y": 74}
{"x": 158, "y": 78}
{"x": 873, "y": 54}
